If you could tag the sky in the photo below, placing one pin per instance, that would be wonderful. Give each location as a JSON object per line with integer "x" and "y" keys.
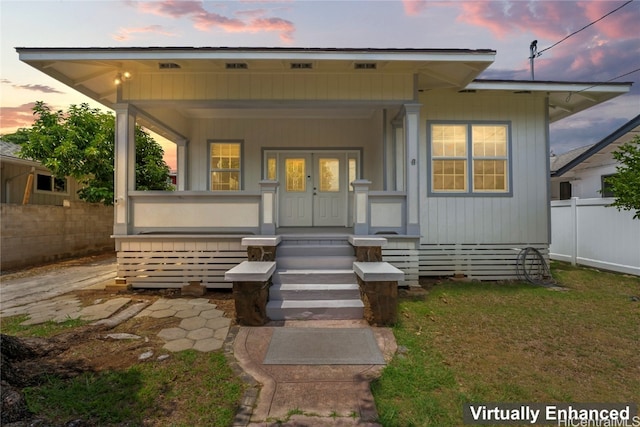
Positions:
{"x": 605, "y": 50}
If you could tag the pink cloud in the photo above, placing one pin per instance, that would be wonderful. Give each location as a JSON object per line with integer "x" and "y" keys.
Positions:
{"x": 127, "y": 33}
{"x": 546, "y": 20}
{"x": 205, "y": 20}
{"x": 14, "y": 118}
{"x": 617, "y": 25}
{"x": 171, "y": 8}
{"x": 414, "y": 7}
{"x": 282, "y": 26}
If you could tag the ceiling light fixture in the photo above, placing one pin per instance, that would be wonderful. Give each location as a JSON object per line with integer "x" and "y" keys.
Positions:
{"x": 121, "y": 77}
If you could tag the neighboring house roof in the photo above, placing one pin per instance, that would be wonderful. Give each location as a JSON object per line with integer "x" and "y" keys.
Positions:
{"x": 9, "y": 153}
{"x": 567, "y": 161}
{"x": 558, "y": 161}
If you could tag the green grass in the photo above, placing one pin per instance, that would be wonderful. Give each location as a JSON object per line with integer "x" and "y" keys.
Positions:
{"x": 12, "y": 326}
{"x": 189, "y": 389}
{"x": 512, "y": 342}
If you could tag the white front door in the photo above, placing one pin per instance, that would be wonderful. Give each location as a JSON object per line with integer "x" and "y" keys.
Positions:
{"x": 296, "y": 190}
{"x": 313, "y": 189}
{"x": 329, "y": 190}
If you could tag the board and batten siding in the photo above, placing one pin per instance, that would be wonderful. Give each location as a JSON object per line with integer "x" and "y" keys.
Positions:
{"x": 284, "y": 133}
{"x": 246, "y": 85}
{"x": 481, "y": 237}
{"x": 521, "y": 218}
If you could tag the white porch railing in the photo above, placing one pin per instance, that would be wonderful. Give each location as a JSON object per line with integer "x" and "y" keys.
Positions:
{"x": 587, "y": 232}
{"x": 253, "y": 212}
{"x": 194, "y": 212}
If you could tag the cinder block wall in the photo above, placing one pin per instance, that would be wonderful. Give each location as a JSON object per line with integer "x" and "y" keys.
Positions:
{"x": 37, "y": 234}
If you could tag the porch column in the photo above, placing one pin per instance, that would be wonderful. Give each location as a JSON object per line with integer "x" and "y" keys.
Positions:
{"x": 399, "y": 159}
{"x": 124, "y": 167}
{"x": 412, "y": 137}
{"x": 361, "y": 206}
{"x": 181, "y": 153}
{"x": 268, "y": 223}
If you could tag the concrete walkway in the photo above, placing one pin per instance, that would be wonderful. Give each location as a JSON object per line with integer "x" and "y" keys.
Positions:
{"x": 47, "y": 282}
{"x": 307, "y": 395}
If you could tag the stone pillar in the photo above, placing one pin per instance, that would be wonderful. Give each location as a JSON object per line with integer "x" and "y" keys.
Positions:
{"x": 383, "y": 301}
{"x": 124, "y": 165}
{"x": 361, "y": 206}
{"x": 251, "y": 302}
{"x": 269, "y": 204}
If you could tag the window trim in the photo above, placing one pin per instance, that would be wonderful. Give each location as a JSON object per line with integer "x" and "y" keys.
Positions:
{"x": 469, "y": 159}
{"x": 210, "y": 143}
{"x": 53, "y": 178}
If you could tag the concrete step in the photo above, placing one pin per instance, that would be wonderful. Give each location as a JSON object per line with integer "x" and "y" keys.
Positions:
{"x": 315, "y": 250}
{"x": 314, "y": 276}
{"x": 313, "y": 292}
{"x": 315, "y": 262}
{"x": 315, "y": 310}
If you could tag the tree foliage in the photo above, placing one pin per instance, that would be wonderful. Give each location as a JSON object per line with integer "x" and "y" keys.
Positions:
{"x": 625, "y": 184}
{"x": 80, "y": 144}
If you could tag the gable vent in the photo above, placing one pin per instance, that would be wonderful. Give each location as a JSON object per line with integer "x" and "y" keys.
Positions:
{"x": 365, "y": 66}
{"x": 168, "y": 66}
{"x": 301, "y": 65}
{"x": 236, "y": 66}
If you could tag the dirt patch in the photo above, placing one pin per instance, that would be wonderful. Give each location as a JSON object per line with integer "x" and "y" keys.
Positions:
{"x": 89, "y": 349}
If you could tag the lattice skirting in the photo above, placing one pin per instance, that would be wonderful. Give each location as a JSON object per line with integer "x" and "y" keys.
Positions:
{"x": 173, "y": 263}
{"x": 475, "y": 261}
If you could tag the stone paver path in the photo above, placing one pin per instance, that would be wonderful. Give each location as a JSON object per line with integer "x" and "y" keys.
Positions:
{"x": 202, "y": 326}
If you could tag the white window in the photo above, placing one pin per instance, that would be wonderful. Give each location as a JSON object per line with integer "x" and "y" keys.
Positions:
{"x": 226, "y": 164}
{"x": 469, "y": 158}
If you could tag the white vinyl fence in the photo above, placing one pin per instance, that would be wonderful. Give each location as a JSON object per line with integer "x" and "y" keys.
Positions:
{"x": 587, "y": 232}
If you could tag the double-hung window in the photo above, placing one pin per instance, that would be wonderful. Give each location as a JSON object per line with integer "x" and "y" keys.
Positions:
{"x": 226, "y": 166}
{"x": 469, "y": 158}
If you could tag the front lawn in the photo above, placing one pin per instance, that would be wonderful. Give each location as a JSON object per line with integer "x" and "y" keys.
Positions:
{"x": 513, "y": 342}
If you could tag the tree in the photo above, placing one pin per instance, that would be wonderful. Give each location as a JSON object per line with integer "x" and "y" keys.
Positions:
{"x": 80, "y": 144}
{"x": 625, "y": 184}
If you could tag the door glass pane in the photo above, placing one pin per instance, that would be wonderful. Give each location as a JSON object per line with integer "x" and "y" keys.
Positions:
{"x": 295, "y": 175}
{"x": 329, "y": 175}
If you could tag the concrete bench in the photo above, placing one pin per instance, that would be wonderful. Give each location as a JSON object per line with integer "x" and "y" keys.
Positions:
{"x": 377, "y": 272}
{"x": 251, "y": 271}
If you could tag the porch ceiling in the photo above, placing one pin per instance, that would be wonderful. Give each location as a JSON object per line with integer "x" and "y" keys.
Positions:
{"x": 92, "y": 71}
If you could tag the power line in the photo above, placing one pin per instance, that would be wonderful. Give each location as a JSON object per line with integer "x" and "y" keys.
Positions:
{"x": 583, "y": 28}
{"x": 600, "y": 84}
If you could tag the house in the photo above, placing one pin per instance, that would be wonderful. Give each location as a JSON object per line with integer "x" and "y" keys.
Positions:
{"x": 582, "y": 172}
{"x": 20, "y": 176}
{"x": 314, "y": 145}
